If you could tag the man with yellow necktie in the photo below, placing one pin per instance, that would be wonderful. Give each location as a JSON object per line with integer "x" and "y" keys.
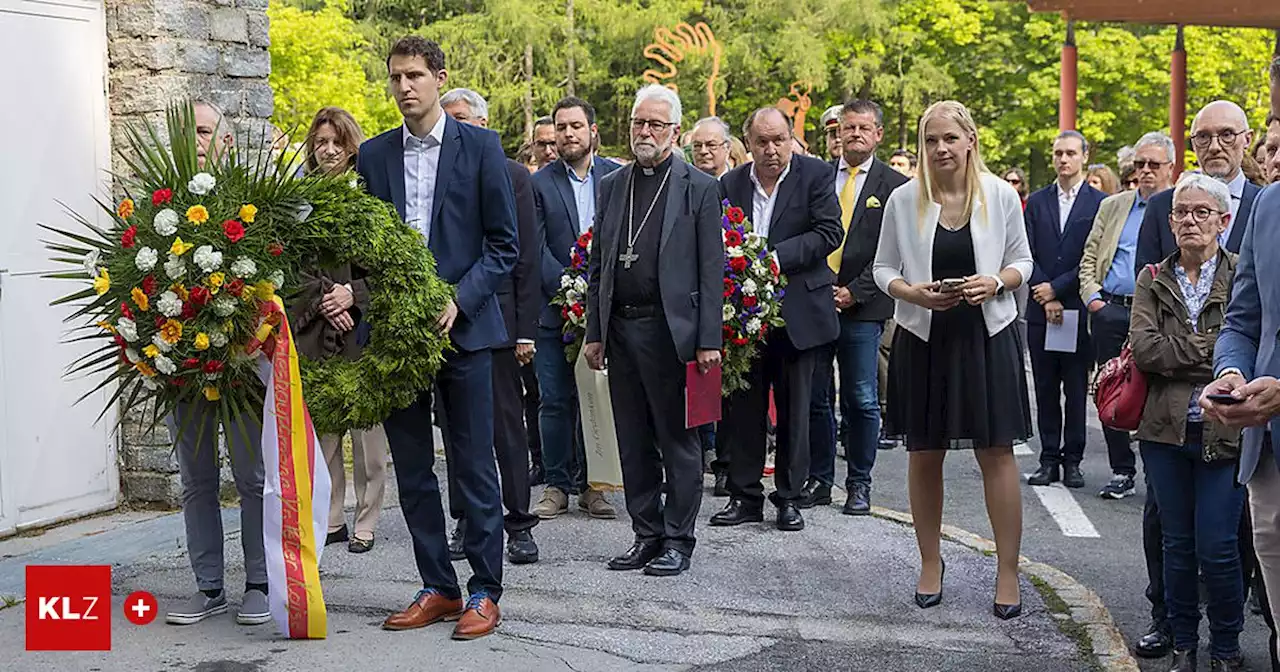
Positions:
{"x": 863, "y": 185}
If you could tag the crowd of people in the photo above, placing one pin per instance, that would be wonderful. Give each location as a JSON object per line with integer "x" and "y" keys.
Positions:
{"x": 917, "y": 288}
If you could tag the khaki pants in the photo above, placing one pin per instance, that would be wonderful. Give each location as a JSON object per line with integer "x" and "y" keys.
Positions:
{"x": 369, "y": 469}
{"x": 1264, "y": 505}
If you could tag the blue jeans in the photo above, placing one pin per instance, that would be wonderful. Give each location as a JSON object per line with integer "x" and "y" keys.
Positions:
{"x": 822, "y": 419}
{"x": 1200, "y": 507}
{"x": 558, "y": 421}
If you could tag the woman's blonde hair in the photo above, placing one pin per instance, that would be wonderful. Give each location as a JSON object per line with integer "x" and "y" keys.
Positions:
{"x": 974, "y": 167}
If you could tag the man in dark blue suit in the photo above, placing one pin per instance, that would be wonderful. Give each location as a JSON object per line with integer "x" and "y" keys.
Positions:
{"x": 1059, "y": 219}
{"x": 564, "y": 194}
{"x": 449, "y": 182}
{"x": 1220, "y": 136}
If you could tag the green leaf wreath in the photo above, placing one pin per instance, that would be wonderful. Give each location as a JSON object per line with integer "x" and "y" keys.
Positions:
{"x": 188, "y": 262}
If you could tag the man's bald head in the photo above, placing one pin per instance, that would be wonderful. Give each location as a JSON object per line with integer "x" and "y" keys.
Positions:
{"x": 1220, "y": 136}
{"x": 1221, "y": 110}
{"x": 764, "y": 116}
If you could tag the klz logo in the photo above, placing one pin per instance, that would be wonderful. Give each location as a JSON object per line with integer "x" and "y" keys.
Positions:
{"x": 68, "y": 608}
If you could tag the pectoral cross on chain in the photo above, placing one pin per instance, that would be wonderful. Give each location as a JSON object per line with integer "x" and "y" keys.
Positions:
{"x": 628, "y": 257}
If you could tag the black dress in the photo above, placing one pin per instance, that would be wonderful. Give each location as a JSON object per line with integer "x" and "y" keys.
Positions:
{"x": 961, "y": 388}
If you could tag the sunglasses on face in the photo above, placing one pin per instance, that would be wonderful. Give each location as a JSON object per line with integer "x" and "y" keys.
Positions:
{"x": 1139, "y": 164}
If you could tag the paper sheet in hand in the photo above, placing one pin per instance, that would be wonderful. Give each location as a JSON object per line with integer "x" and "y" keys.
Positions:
{"x": 599, "y": 436}
{"x": 701, "y": 396}
{"x": 1062, "y": 337}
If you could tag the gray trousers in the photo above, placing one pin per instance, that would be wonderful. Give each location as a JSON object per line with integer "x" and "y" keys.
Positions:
{"x": 198, "y": 467}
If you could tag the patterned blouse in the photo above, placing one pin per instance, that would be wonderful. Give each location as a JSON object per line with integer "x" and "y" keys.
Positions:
{"x": 1194, "y": 297}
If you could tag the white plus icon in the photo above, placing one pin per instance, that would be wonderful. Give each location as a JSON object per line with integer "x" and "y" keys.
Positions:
{"x": 141, "y": 608}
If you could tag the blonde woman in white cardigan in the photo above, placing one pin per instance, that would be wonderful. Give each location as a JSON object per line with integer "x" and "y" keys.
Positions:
{"x": 953, "y": 248}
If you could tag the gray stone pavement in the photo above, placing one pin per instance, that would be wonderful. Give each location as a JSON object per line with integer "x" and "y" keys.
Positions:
{"x": 836, "y": 596}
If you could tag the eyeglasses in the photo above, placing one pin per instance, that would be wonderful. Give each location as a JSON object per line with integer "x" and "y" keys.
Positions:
{"x": 708, "y": 146}
{"x": 655, "y": 126}
{"x": 1199, "y": 215}
{"x": 545, "y": 144}
{"x": 1139, "y": 164}
{"x": 1204, "y": 139}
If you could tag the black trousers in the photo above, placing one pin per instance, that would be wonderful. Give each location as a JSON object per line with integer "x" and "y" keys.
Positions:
{"x": 646, "y": 385}
{"x": 529, "y": 381}
{"x": 510, "y": 444}
{"x": 789, "y": 372}
{"x": 1057, "y": 374}
{"x": 1109, "y": 328}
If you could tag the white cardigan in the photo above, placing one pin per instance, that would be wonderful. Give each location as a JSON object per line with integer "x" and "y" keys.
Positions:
{"x": 906, "y": 249}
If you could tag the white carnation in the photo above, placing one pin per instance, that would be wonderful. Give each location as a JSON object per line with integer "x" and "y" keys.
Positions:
{"x": 175, "y": 268}
{"x": 208, "y": 259}
{"x": 277, "y": 278}
{"x": 734, "y": 252}
{"x": 91, "y": 262}
{"x": 158, "y": 341}
{"x": 769, "y": 288}
{"x": 224, "y": 306}
{"x": 753, "y": 325}
{"x": 217, "y": 339}
{"x": 566, "y": 282}
{"x": 166, "y": 222}
{"x": 764, "y": 309}
{"x": 128, "y": 329}
{"x": 728, "y": 312}
{"x": 574, "y": 296}
{"x": 580, "y": 284}
{"x": 749, "y": 287}
{"x": 132, "y": 355}
{"x": 201, "y": 184}
{"x": 244, "y": 267}
{"x": 165, "y": 365}
{"x": 169, "y": 304}
{"x": 146, "y": 259}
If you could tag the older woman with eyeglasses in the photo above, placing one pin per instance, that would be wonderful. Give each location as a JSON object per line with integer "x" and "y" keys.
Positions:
{"x": 1178, "y": 309}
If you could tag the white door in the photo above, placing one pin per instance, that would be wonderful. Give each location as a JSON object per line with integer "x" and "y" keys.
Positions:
{"x": 56, "y": 462}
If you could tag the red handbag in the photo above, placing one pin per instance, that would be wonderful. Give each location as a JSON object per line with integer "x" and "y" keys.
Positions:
{"x": 1120, "y": 390}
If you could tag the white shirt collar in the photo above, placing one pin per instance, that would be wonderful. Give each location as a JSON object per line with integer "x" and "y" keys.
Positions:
{"x": 756, "y": 181}
{"x": 1236, "y": 185}
{"x": 436, "y": 132}
{"x": 863, "y": 168}
{"x": 1064, "y": 195}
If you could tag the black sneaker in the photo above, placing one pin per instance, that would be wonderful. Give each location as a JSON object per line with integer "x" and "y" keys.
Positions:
{"x": 1121, "y": 486}
{"x": 456, "y": 551}
{"x": 521, "y": 549}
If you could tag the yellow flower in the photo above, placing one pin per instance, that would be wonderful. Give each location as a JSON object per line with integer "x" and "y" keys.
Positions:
{"x": 248, "y": 212}
{"x": 107, "y": 326}
{"x": 171, "y": 332}
{"x": 265, "y": 290}
{"x": 151, "y": 351}
{"x": 202, "y": 341}
{"x": 181, "y": 291}
{"x": 211, "y": 393}
{"x": 145, "y": 369}
{"x": 180, "y": 248}
{"x": 140, "y": 298}
{"x": 102, "y": 283}
{"x": 125, "y": 209}
{"x": 215, "y": 281}
{"x": 197, "y": 214}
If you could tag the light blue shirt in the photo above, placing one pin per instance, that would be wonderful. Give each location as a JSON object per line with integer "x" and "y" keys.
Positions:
{"x": 1194, "y": 297}
{"x": 421, "y": 164}
{"x": 1120, "y": 278}
{"x": 584, "y": 196}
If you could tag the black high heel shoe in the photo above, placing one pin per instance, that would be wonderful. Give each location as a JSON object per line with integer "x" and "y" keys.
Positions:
{"x": 1005, "y": 612}
{"x": 927, "y": 600}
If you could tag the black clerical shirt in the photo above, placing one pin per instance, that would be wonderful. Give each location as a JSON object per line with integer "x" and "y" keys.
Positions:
{"x": 638, "y": 285}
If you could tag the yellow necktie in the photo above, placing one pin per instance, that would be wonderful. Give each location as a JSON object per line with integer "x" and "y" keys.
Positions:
{"x": 846, "y": 216}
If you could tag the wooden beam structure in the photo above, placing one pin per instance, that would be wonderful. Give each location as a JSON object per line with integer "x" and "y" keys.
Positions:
{"x": 1238, "y": 13}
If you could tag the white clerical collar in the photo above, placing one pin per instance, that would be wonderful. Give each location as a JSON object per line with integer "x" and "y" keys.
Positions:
{"x": 436, "y": 133}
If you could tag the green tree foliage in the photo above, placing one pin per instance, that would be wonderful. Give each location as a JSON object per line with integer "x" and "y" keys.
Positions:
{"x": 994, "y": 55}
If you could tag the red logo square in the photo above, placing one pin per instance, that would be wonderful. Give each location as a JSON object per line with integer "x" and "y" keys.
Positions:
{"x": 68, "y": 607}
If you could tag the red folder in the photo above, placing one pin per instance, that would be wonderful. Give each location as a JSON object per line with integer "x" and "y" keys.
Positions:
{"x": 701, "y": 396}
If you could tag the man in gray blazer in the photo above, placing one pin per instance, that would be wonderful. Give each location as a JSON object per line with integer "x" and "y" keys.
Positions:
{"x": 655, "y": 292}
{"x": 1247, "y": 362}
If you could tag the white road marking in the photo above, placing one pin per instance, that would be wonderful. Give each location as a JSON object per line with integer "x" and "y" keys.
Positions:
{"x": 1066, "y": 512}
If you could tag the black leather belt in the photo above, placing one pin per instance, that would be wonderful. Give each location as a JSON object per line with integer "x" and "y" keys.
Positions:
{"x": 630, "y": 312}
{"x": 1126, "y": 301}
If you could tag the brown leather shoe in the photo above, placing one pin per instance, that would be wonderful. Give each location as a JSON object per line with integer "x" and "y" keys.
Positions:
{"x": 480, "y": 618}
{"x": 427, "y": 608}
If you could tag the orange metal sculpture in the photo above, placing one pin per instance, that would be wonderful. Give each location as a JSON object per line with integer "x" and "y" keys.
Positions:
{"x": 796, "y": 106}
{"x": 671, "y": 45}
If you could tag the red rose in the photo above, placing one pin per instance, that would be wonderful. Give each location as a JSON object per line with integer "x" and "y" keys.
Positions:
{"x": 577, "y": 309}
{"x": 773, "y": 267}
{"x": 199, "y": 295}
{"x": 189, "y": 310}
{"x": 732, "y": 238}
{"x": 124, "y": 310}
{"x": 576, "y": 260}
{"x": 161, "y": 196}
{"x": 276, "y": 249}
{"x": 728, "y": 331}
{"x": 738, "y": 264}
{"x": 120, "y": 341}
{"x": 749, "y": 301}
{"x": 764, "y": 329}
{"x": 736, "y": 215}
{"x": 234, "y": 230}
{"x": 564, "y": 313}
{"x": 149, "y": 285}
{"x": 729, "y": 288}
{"x": 235, "y": 286}
{"x": 160, "y": 320}
{"x": 191, "y": 363}
{"x": 130, "y": 237}
{"x": 212, "y": 366}
{"x": 740, "y": 341}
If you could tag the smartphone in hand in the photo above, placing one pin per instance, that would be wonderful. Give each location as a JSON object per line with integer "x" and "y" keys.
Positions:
{"x": 951, "y": 285}
{"x": 1224, "y": 399}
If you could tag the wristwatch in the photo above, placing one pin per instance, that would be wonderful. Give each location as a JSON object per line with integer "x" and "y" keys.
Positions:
{"x": 999, "y": 284}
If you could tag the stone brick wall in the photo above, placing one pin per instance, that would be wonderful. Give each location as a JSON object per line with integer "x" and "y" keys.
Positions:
{"x": 161, "y": 51}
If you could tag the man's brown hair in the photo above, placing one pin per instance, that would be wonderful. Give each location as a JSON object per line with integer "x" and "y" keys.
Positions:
{"x": 417, "y": 45}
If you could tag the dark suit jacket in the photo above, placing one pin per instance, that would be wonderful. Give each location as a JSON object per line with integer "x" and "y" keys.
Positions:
{"x": 805, "y": 229}
{"x": 557, "y": 226}
{"x": 473, "y": 222}
{"x": 861, "y": 241}
{"x": 690, "y": 258}
{"x": 1155, "y": 238}
{"x": 519, "y": 294}
{"x": 1056, "y": 255}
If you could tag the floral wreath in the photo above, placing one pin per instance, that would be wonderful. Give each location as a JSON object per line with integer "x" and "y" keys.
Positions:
{"x": 572, "y": 297}
{"x": 184, "y": 278}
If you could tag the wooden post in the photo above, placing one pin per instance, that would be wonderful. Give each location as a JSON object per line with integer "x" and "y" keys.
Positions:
{"x": 1068, "y": 82}
{"x": 1178, "y": 103}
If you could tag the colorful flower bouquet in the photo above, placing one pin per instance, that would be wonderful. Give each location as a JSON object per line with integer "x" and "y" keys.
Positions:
{"x": 572, "y": 297}
{"x": 753, "y": 291}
